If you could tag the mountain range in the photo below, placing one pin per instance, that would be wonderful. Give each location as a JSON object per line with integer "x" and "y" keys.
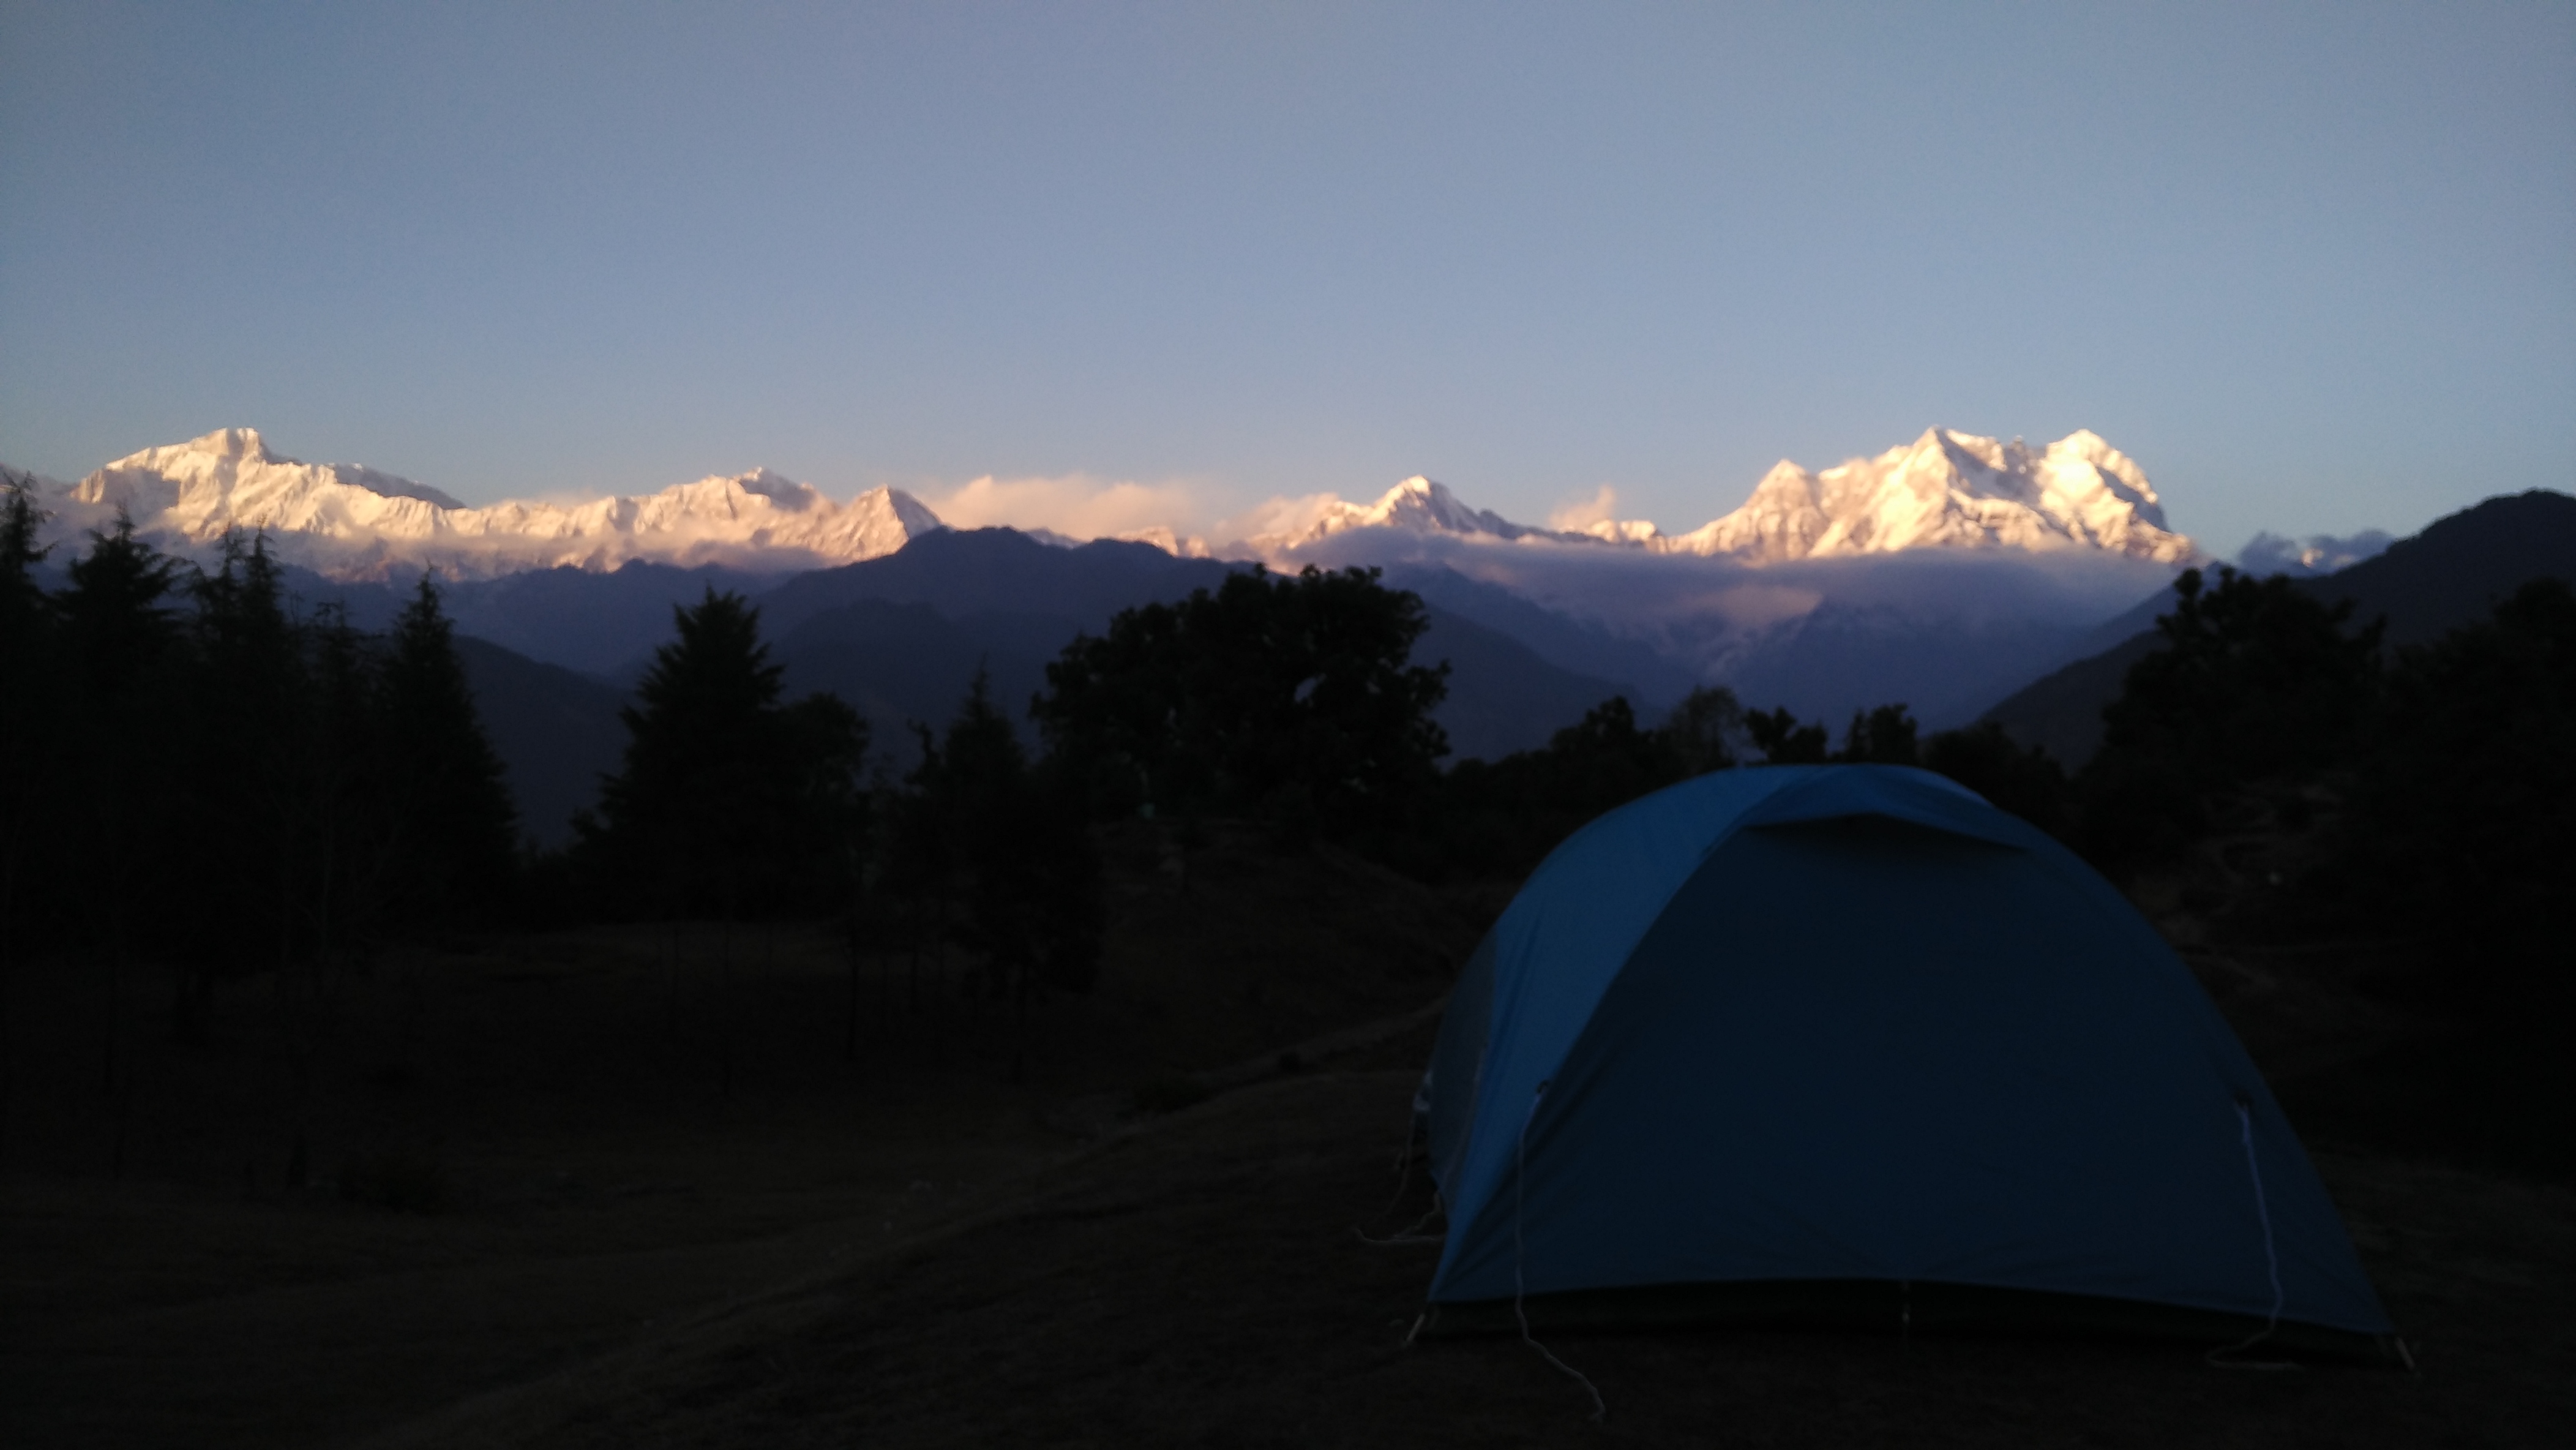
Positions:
{"x": 1946, "y": 490}
{"x": 351, "y": 522}
{"x": 1942, "y": 573}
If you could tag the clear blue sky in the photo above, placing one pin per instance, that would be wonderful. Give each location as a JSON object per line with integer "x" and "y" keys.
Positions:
{"x": 2314, "y": 266}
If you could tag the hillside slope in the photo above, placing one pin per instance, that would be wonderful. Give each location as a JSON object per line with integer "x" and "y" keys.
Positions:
{"x": 556, "y": 732}
{"x": 2454, "y": 572}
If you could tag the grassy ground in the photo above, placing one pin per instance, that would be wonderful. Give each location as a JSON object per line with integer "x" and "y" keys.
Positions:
{"x": 1204, "y": 1284}
{"x": 627, "y": 1187}
{"x": 523, "y": 1152}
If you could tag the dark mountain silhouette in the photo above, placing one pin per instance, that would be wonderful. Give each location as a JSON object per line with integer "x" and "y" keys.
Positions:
{"x": 1585, "y": 648}
{"x": 900, "y": 639}
{"x": 555, "y": 730}
{"x": 965, "y": 573}
{"x": 1503, "y": 696}
{"x": 2061, "y": 712}
{"x": 900, "y": 663}
{"x": 596, "y": 622}
{"x": 2460, "y": 567}
{"x": 2454, "y": 572}
{"x": 1843, "y": 657}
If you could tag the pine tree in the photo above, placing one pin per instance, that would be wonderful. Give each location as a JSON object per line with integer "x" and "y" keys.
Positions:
{"x": 349, "y": 785}
{"x": 1884, "y": 735}
{"x": 1016, "y": 839}
{"x": 29, "y": 696}
{"x": 986, "y": 803}
{"x": 250, "y": 766}
{"x": 22, "y": 600}
{"x": 680, "y": 820}
{"x": 1703, "y": 729}
{"x": 115, "y": 623}
{"x": 454, "y": 828}
{"x": 119, "y": 640}
{"x": 727, "y": 802}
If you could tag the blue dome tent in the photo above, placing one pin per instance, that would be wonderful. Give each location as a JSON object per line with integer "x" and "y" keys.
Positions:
{"x": 1847, "y": 1043}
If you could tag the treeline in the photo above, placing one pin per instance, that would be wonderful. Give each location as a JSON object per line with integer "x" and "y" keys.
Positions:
{"x": 2440, "y": 781}
{"x": 1294, "y": 700}
{"x": 2439, "y": 775}
{"x": 2423, "y": 799}
{"x": 735, "y": 804}
{"x": 2436, "y": 784}
{"x": 194, "y": 773}
{"x": 281, "y": 788}
{"x": 2405, "y": 819}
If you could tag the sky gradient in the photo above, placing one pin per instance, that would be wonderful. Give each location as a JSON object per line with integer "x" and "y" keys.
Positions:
{"x": 2314, "y": 267}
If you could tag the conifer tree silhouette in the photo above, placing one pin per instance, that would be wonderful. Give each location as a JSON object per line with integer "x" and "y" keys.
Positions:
{"x": 454, "y": 827}
{"x": 917, "y": 873}
{"x": 347, "y": 790}
{"x": 683, "y": 817}
{"x": 29, "y": 698}
{"x": 727, "y": 802}
{"x": 1702, "y": 730}
{"x": 1014, "y": 843}
{"x": 997, "y": 821}
{"x": 1882, "y": 735}
{"x": 119, "y": 638}
{"x": 251, "y": 763}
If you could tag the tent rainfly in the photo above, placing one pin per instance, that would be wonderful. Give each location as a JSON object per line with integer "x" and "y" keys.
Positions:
{"x": 1848, "y": 1044}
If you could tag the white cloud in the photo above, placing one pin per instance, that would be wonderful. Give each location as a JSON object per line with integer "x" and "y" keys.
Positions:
{"x": 2269, "y": 553}
{"x": 1582, "y": 513}
{"x": 1076, "y": 505}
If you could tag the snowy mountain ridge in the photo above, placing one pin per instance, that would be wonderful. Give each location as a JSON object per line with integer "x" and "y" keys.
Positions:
{"x": 1946, "y": 491}
{"x": 352, "y": 522}
{"x": 1949, "y": 490}
{"x": 1417, "y": 506}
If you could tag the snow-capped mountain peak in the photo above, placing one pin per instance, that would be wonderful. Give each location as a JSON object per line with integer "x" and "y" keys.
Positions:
{"x": 238, "y": 443}
{"x": 1418, "y": 505}
{"x": 1952, "y": 490}
{"x": 231, "y": 479}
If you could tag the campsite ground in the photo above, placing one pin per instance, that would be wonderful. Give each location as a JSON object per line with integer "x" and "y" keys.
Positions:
{"x": 600, "y": 1188}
